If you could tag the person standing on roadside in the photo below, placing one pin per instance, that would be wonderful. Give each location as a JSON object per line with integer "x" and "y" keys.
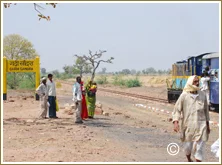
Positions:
{"x": 51, "y": 96}
{"x": 77, "y": 98}
{"x": 43, "y": 93}
{"x": 205, "y": 86}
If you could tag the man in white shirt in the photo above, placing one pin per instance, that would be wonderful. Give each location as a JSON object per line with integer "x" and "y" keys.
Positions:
{"x": 51, "y": 96}
{"x": 205, "y": 86}
{"x": 77, "y": 98}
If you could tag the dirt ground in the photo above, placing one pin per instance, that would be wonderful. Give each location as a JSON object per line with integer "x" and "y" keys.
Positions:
{"x": 125, "y": 134}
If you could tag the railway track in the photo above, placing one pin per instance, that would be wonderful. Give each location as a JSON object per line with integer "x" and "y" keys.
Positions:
{"x": 126, "y": 94}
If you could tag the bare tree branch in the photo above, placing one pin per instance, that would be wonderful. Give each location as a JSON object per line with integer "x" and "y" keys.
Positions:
{"x": 36, "y": 7}
{"x": 92, "y": 59}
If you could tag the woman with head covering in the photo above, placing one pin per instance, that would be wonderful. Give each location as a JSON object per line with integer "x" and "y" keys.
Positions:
{"x": 91, "y": 89}
{"x": 42, "y": 92}
{"x": 191, "y": 110}
{"x": 84, "y": 114}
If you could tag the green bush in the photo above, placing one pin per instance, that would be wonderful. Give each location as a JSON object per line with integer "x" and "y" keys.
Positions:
{"x": 21, "y": 80}
{"x": 64, "y": 76}
{"x": 132, "y": 83}
{"x": 26, "y": 84}
{"x": 118, "y": 80}
{"x": 102, "y": 80}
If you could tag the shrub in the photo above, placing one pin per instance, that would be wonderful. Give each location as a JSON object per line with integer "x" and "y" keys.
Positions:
{"x": 58, "y": 85}
{"x": 102, "y": 80}
{"x": 118, "y": 80}
{"x": 132, "y": 83}
{"x": 26, "y": 84}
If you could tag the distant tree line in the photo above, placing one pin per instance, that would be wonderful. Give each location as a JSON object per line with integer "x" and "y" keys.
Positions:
{"x": 76, "y": 69}
{"x": 147, "y": 71}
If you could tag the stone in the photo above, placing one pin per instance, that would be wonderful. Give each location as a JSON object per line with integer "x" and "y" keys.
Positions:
{"x": 29, "y": 121}
{"x": 117, "y": 113}
{"x": 66, "y": 105}
{"x": 99, "y": 105}
{"x": 73, "y": 106}
{"x": 68, "y": 108}
{"x": 169, "y": 119}
{"x": 70, "y": 113}
{"x": 98, "y": 111}
{"x": 105, "y": 113}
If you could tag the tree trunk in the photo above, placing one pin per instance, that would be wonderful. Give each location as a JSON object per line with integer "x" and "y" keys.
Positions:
{"x": 93, "y": 75}
{"x": 81, "y": 72}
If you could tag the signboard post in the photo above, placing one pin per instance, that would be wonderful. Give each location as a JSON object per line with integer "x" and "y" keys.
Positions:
{"x": 20, "y": 66}
{"x": 4, "y": 78}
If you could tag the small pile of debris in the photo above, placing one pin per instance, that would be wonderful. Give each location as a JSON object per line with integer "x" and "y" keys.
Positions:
{"x": 70, "y": 109}
{"x": 98, "y": 109}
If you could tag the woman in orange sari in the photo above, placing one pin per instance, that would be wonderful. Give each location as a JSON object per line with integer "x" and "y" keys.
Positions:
{"x": 84, "y": 114}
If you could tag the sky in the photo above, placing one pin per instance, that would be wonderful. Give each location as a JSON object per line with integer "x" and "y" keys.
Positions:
{"x": 137, "y": 35}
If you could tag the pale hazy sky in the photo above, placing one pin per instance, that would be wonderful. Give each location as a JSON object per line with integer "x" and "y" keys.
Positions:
{"x": 138, "y": 36}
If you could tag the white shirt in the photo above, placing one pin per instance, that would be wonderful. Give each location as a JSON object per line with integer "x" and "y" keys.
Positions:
{"x": 77, "y": 92}
{"x": 42, "y": 91}
{"x": 51, "y": 88}
{"x": 204, "y": 82}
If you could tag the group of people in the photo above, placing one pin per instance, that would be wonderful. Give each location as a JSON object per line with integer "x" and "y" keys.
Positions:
{"x": 191, "y": 118}
{"x": 47, "y": 93}
{"x": 190, "y": 115}
{"x": 84, "y": 99}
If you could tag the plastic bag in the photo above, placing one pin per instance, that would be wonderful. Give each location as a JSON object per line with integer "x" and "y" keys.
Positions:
{"x": 57, "y": 105}
{"x": 215, "y": 148}
{"x": 48, "y": 104}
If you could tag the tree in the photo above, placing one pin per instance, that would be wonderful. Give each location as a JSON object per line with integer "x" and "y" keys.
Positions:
{"x": 55, "y": 73}
{"x": 169, "y": 71}
{"x": 37, "y": 7}
{"x": 66, "y": 69}
{"x": 43, "y": 70}
{"x": 138, "y": 73}
{"x": 82, "y": 66}
{"x": 93, "y": 60}
{"x": 17, "y": 47}
{"x": 160, "y": 72}
{"x": 103, "y": 70}
{"x": 133, "y": 71}
{"x": 126, "y": 71}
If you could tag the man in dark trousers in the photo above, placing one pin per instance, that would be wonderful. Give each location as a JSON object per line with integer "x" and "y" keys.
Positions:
{"x": 51, "y": 96}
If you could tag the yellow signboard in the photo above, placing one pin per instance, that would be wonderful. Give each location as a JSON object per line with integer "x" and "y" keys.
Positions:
{"x": 21, "y": 66}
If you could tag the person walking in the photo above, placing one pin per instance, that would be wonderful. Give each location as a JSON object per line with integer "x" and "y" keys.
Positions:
{"x": 191, "y": 110}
